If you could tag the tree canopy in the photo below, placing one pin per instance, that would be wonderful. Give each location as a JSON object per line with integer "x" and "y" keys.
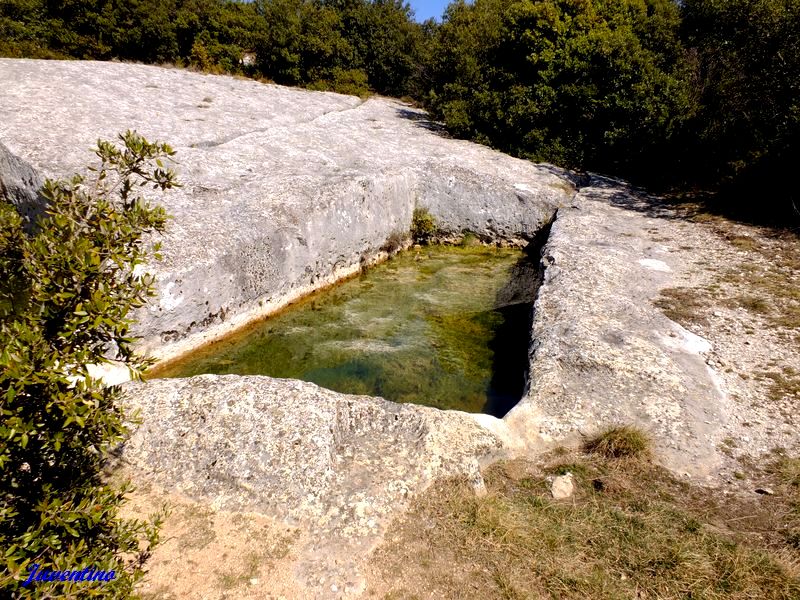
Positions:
{"x": 583, "y": 84}
{"x": 699, "y": 94}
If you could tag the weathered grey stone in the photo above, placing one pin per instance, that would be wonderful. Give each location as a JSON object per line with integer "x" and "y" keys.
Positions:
{"x": 285, "y": 190}
{"x": 562, "y": 486}
{"x": 602, "y": 353}
{"x": 20, "y": 185}
{"x": 339, "y": 465}
{"x": 288, "y": 446}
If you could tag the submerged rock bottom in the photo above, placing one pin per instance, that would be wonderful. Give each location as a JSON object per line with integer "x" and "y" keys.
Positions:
{"x": 441, "y": 326}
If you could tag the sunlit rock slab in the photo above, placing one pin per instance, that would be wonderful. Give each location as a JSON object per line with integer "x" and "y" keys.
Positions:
{"x": 284, "y": 190}
{"x": 602, "y": 353}
{"x": 340, "y": 467}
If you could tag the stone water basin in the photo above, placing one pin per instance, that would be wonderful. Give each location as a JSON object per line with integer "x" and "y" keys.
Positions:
{"x": 441, "y": 326}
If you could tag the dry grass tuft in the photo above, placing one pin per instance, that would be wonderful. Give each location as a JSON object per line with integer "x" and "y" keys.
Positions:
{"x": 703, "y": 217}
{"x": 788, "y": 471}
{"x": 742, "y": 242}
{"x": 396, "y": 241}
{"x": 683, "y": 305}
{"x": 624, "y": 441}
{"x": 751, "y": 304}
{"x": 783, "y": 385}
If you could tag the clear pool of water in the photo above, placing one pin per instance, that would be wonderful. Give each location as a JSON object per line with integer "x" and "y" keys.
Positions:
{"x": 441, "y": 326}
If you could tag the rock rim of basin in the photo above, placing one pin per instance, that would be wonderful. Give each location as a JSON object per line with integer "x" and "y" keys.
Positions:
{"x": 286, "y": 191}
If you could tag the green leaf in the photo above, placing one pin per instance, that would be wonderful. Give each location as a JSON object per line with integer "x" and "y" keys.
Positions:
{"x": 74, "y": 277}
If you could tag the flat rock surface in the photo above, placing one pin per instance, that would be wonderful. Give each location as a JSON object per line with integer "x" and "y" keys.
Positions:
{"x": 646, "y": 316}
{"x": 603, "y": 353}
{"x": 338, "y": 466}
{"x": 284, "y": 190}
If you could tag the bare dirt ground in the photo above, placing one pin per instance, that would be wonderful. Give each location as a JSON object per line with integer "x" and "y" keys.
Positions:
{"x": 207, "y": 554}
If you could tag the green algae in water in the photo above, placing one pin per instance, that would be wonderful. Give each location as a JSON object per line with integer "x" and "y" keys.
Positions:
{"x": 441, "y": 326}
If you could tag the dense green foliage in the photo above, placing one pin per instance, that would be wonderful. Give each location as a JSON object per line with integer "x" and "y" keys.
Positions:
{"x": 348, "y": 45}
{"x": 201, "y": 32}
{"x": 67, "y": 287}
{"x": 578, "y": 83}
{"x": 699, "y": 94}
{"x": 746, "y": 134}
{"x": 340, "y": 44}
{"x": 704, "y": 94}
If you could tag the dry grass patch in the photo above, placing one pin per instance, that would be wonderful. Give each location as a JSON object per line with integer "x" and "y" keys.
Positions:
{"x": 773, "y": 291}
{"x": 742, "y": 242}
{"x": 683, "y": 305}
{"x": 247, "y": 566}
{"x": 630, "y": 531}
{"x": 787, "y": 472}
{"x": 703, "y": 217}
{"x": 750, "y": 303}
{"x": 624, "y": 441}
{"x": 769, "y": 278}
{"x": 785, "y": 384}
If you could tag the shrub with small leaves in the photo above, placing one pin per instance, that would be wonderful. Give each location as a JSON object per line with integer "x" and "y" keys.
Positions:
{"x": 423, "y": 226}
{"x": 67, "y": 286}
